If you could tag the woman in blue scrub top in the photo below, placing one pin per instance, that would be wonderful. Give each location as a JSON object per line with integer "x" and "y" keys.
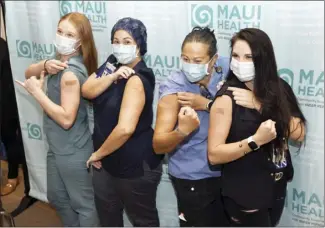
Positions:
{"x": 182, "y": 129}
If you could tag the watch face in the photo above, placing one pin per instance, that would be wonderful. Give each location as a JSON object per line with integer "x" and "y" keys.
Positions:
{"x": 253, "y": 145}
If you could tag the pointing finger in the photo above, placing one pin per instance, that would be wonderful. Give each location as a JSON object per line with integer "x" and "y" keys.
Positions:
{"x": 42, "y": 75}
{"x": 20, "y": 83}
{"x": 233, "y": 88}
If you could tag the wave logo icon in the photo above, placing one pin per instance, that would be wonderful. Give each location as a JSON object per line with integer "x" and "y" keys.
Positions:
{"x": 201, "y": 15}
{"x": 34, "y": 131}
{"x": 65, "y": 7}
{"x": 287, "y": 75}
{"x": 95, "y": 11}
{"x": 24, "y": 49}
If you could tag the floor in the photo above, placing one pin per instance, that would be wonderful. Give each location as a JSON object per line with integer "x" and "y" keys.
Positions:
{"x": 38, "y": 215}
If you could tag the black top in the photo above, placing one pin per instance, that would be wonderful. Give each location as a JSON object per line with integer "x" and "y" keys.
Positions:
{"x": 249, "y": 180}
{"x": 9, "y": 110}
{"x": 127, "y": 161}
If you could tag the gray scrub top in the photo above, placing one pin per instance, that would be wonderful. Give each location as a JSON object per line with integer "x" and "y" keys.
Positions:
{"x": 78, "y": 137}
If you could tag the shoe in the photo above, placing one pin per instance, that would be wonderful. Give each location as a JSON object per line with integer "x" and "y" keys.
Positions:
{"x": 25, "y": 203}
{"x": 9, "y": 187}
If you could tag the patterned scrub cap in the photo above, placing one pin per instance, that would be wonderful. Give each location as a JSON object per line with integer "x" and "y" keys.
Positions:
{"x": 136, "y": 29}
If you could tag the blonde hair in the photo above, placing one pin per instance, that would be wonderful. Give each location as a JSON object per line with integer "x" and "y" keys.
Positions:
{"x": 88, "y": 48}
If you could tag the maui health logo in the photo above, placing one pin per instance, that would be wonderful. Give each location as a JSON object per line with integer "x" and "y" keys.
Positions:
{"x": 94, "y": 10}
{"x": 307, "y": 207}
{"x": 162, "y": 65}
{"x": 226, "y": 18}
{"x": 34, "y": 131}
{"x": 307, "y": 84}
{"x": 34, "y": 50}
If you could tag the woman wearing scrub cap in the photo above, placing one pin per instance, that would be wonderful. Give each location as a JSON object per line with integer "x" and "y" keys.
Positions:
{"x": 126, "y": 170}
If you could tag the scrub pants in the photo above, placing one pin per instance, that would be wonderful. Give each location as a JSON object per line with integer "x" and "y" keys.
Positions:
{"x": 137, "y": 196}
{"x": 70, "y": 190}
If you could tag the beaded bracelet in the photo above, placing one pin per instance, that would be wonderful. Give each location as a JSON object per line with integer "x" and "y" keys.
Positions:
{"x": 44, "y": 65}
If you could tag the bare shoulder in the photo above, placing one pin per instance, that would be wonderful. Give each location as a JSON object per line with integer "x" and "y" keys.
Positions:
{"x": 135, "y": 83}
{"x": 222, "y": 104}
{"x": 69, "y": 79}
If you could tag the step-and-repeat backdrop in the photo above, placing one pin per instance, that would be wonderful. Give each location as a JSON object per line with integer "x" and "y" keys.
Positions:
{"x": 296, "y": 30}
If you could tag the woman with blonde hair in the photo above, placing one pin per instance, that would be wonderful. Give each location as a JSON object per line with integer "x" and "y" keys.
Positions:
{"x": 69, "y": 185}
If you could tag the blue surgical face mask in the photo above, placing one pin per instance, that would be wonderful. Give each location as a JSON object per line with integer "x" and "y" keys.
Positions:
{"x": 195, "y": 72}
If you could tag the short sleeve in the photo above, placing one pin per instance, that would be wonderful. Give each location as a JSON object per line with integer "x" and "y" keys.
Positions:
{"x": 78, "y": 68}
{"x": 173, "y": 84}
{"x": 224, "y": 91}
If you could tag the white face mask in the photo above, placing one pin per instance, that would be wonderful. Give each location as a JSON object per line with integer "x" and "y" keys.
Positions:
{"x": 245, "y": 71}
{"x": 195, "y": 72}
{"x": 64, "y": 45}
{"x": 124, "y": 54}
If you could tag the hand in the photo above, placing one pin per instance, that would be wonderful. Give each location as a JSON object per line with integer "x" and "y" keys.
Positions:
{"x": 245, "y": 98}
{"x": 33, "y": 85}
{"x": 97, "y": 164}
{"x": 265, "y": 133}
{"x": 54, "y": 66}
{"x": 123, "y": 72}
{"x": 94, "y": 159}
{"x": 188, "y": 120}
{"x": 195, "y": 101}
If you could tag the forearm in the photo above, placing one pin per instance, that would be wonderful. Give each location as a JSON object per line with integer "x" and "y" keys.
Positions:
{"x": 166, "y": 142}
{"x": 35, "y": 69}
{"x": 225, "y": 153}
{"x": 114, "y": 141}
{"x": 95, "y": 87}
{"x": 56, "y": 112}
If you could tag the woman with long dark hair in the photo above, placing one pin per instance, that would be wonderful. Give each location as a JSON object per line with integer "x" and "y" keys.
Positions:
{"x": 252, "y": 143}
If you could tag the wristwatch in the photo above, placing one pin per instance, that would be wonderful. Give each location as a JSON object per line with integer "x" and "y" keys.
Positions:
{"x": 209, "y": 105}
{"x": 252, "y": 144}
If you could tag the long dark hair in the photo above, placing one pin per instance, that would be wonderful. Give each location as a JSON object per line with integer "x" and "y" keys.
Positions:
{"x": 277, "y": 102}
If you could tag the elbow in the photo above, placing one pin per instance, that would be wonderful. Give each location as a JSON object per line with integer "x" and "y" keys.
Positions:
{"x": 126, "y": 132}
{"x": 302, "y": 136}
{"x": 67, "y": 124}
{"x": 157, "y": 149}
{"x": 87, "y": 93}
{"x": 158, "y": 146}
{"x": 213, "y": 157}
{"x": 299, "y": 135}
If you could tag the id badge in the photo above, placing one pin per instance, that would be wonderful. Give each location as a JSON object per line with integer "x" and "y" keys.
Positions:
{"x": 109, "y": 69}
